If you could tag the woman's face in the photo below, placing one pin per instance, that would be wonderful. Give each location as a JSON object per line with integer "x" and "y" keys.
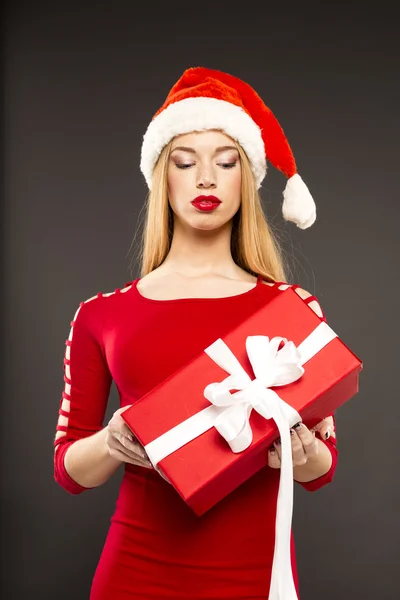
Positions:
{"x": 204, "y": 180}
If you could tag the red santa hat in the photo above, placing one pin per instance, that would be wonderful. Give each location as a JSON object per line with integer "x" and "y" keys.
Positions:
{"x": 204, "y": 99}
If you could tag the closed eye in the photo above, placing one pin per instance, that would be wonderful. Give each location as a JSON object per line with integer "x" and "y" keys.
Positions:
{"x": 223, "y": 165}
{"x": 228, "y": 165}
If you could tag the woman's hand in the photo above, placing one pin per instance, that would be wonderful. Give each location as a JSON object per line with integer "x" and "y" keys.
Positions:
{"x": 122, "y": 444}
{"x": 304, "y": 443}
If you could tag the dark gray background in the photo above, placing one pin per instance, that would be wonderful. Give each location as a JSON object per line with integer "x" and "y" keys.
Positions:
{"x": 82, "y": 82}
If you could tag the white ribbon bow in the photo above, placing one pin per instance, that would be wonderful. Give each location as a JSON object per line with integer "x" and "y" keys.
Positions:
{"x": 272, "y": 367}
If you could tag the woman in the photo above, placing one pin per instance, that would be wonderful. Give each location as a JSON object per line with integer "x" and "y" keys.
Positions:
{"x": 209, "y": 259}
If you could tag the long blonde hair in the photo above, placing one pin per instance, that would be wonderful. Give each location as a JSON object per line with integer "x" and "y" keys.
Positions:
{"x": 254, "y": 245}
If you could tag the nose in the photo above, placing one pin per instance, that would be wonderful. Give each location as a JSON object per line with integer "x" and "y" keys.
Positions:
{"x": 206, "y": 178}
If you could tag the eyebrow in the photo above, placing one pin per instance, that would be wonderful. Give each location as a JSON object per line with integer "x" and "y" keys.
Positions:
{"x": 193, "y": 151}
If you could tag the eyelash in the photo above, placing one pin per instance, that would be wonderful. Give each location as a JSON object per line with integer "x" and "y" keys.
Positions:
{"x": 224, "y": 165}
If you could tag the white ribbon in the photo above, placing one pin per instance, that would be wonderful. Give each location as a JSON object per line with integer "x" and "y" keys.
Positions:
{"x": 230, "y": 413}
{"x": 271, "y": 367}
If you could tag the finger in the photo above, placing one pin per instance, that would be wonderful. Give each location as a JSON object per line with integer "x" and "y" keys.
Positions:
{"x": 123, "y": 457}
{"x": 137, "y": 451}
{"x": 128, "y": 433}
{"x": 273, "y": 459}
{"x": 278, "y": 449}
{"x": 119, "y": 428}
{"x": 134, "y": 455}
{"x": 325, "y": 432}
{"x": 298, "y": 452}
{"x": 131, "y": 445}
{"x": 118, "y": 439}
{"x": 307, "y": 439}
{"x": 326, "y": 428}
{"x": 131, "y": 449}
{"x": 126, "y": 442}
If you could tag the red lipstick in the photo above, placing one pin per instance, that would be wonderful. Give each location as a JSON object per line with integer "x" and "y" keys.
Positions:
{"x": 206, "y": 203}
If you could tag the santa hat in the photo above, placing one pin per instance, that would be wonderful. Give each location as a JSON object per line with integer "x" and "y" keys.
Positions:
{"x": 205, "y": 99}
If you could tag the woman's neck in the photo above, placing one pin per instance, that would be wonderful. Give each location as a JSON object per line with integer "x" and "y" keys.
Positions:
{"x": 201, "y": 252}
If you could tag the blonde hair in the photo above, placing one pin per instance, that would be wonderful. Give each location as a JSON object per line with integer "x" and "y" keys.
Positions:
{"x": 254, "y": 245}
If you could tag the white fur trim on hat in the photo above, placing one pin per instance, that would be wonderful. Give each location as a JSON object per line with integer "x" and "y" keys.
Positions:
{"x": 298, "y": 204}
{"x": 199, "y": 114}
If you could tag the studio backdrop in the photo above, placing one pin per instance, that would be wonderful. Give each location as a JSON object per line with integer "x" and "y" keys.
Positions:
{"x": 81, "y": 83}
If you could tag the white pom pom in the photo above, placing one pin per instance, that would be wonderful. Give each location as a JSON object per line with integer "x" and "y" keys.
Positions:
{"x": 298, "y": 204}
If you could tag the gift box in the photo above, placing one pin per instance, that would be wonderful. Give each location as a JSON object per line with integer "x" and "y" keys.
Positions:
{"x": 208, "y": 427}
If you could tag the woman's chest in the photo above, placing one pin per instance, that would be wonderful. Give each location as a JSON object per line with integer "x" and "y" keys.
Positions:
{"x": 143, "y": 350}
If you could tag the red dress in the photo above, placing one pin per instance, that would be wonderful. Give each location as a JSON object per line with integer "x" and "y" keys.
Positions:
{"x": 156, "y": 546}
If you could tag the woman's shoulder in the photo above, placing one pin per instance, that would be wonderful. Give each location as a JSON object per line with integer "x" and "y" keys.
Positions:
{"x": 282, "y": 285}
{"x": 310, "y": 299}
{"x": 101, "y": 295}
{"x": 97, "y": 305}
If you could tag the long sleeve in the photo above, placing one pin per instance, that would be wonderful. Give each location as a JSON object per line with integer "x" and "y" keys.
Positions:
{"x": 87, "y": 382}
{"x": 331, "y": 442}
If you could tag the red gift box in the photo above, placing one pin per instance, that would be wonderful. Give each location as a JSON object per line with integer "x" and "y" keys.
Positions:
{"x": 205, "y": 469}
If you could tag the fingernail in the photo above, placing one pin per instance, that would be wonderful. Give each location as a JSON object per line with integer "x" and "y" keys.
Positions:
{"x": 292, "y": 432}
{"x": 272, "y": 450}
{"x": 297, "y": 426}
{"x": 327, "y": 434}
{"x": 278, "y": 441}
{"x": 130, "y": 438}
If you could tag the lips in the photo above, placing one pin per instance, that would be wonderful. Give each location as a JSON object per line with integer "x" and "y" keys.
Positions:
{"x": 206, "y": 203}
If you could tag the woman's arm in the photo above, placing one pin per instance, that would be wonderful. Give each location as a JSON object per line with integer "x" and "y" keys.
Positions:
{"x": 91, "y": 461}
{"x": 80, "y": 455}
{"x": 88, "y": 461}
{"x": 86, "y": 453}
